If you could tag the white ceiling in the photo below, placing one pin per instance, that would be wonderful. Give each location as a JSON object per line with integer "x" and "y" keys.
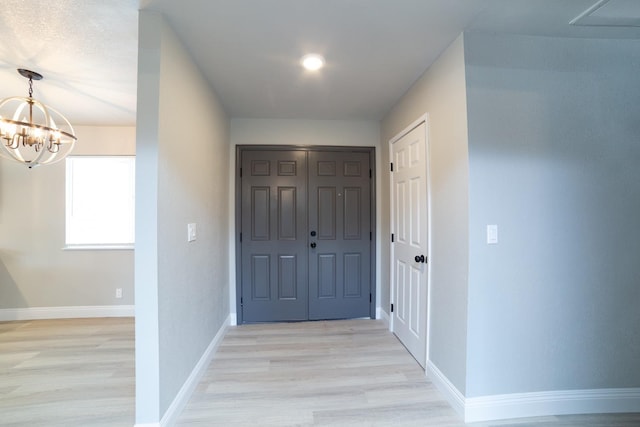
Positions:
{"x": 249, "y": 49}
{"x": 86, "y": 50}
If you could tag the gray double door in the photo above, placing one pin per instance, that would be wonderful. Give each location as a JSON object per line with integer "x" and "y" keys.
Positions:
{"x": 306, "y": 237}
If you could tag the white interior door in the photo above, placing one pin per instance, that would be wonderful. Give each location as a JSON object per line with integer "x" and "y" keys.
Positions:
{"x": 410, "y": 229}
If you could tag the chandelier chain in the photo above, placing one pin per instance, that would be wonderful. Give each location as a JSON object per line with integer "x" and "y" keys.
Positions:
{"x": 30, "y": 87}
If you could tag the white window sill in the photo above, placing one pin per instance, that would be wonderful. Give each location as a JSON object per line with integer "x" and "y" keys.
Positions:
{"x": 121, "y": 247}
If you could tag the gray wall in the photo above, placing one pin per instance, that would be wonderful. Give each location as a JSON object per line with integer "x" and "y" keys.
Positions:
{"x": 183, "y": 151}
{"x": 440, "y": 92}
{"x": 554, "y": 149}
{"x": 35, "y": 271}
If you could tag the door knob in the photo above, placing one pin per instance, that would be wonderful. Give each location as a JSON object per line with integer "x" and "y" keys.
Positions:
{"x": 313, "y": 245}
{"x": 313, "y": 233}
{"x": 420, "y": 258}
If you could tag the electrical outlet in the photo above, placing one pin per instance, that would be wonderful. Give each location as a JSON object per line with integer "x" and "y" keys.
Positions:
{"x": 118, "y": 292}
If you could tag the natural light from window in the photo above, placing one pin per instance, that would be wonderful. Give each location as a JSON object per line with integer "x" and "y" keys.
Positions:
{"x": 100, "y": 201}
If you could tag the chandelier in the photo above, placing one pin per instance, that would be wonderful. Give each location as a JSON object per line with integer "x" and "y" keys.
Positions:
{"x": 32, "y": 133}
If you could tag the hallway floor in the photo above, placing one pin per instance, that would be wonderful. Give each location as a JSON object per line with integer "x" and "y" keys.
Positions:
{"x": 338, "y": 373}
{"x": 80, "y": 373}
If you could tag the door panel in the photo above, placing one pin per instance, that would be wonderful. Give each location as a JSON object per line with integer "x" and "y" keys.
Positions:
{"x": 287, "y": 197}
{"x": 340, "y": 215}
{"x": 409, "y": 224}
{"x": 291, "y": 199}
{"x": 274, "y": 278}
{"x": 287, "y": 280}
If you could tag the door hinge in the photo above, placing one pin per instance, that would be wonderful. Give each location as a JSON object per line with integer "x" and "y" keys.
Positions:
{"x": 391, "y": 166}
{"x": 240, "y": 172}
{"x": 392, "y": 307}
{"x": 370, "y": 174}
{"x": 241, "y": 301}
{"x": 241, "y": 237}
{"x": 392, "y": 238}
{"x": 370, "y": 235}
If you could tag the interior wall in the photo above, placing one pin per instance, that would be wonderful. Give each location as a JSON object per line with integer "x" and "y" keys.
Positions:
{"x": 35, "y": 271}
{"x": 183, "y": 149}
{"x": 553, "y": 148}
{"x": 358, "y": 133}
{"x": 441, "y": 93}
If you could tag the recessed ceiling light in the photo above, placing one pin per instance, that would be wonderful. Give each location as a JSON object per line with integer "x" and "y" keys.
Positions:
{"x": 312, "y": 62}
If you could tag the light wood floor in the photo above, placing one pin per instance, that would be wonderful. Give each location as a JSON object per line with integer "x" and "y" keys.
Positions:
{"x": 67, "y": 373}
{"x": 340, "y": 373}
{"x": 346, "y": 373}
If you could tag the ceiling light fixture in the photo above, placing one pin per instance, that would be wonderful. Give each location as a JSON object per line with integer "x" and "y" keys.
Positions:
{"x": 312, "y": 62}
{"x": 32, "y": 133}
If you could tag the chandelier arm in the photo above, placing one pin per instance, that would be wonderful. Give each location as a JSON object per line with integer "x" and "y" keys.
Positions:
{"x": 15, "y": 142}
{"x": 56, "y": 159}
{"x": 11, "y": 154}
{"x": 36, "y": 161}
{"x": 47, "y": 128}
{"x": 50, "y": 146}
{"x": 11, "y": 142}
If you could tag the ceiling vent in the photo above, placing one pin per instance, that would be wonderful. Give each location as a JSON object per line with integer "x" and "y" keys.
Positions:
{"x": 610, "y": 13}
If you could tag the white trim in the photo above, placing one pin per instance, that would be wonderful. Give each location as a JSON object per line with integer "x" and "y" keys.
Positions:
{"x": 427, "y": 140}
{"x": 182, "y": 398}
{"x": 561, "y": 402}
{"x": 233, "y": 319}
{"x": 383, "y": 315}
{"x": 535, "y": 404}
{"x": 446, "y": 387}
{"x": 423, "y": 118}
{"x": 584, "y": 16}
{"x": 109, "y": 247}
{"x": 147, "y": 425}
{"x": 73, "y": 312}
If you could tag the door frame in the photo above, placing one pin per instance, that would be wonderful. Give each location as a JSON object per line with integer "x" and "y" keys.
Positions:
{"x": 422, "y": 119}
{"x": 238, "y": 212}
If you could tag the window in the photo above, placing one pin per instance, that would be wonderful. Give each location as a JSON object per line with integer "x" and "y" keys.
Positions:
{"x": 100, "y": 201}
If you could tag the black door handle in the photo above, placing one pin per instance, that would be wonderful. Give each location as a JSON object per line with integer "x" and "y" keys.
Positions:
{"x": 420, "y": 258}
{"x": 313, "y": 245}
{"x": 313, "y": 233}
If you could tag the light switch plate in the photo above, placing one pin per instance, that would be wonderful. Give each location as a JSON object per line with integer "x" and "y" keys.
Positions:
{"x": 492, "y": 234}
{"x": 191, "y": 232}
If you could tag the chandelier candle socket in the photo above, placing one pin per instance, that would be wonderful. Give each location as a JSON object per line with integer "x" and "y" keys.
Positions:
{"x": 31, "y": 132}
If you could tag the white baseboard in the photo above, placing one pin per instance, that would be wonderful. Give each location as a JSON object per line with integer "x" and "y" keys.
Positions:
{"x": 537, "y": 404}
{"x": 446, "y": 387}
{"x": 182, "y": 398}
{"x": 233, "y": 319}
{"x": 383, "y": 315}
{"x": 562, "y": 402}
{"x": 73, "y": 312}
